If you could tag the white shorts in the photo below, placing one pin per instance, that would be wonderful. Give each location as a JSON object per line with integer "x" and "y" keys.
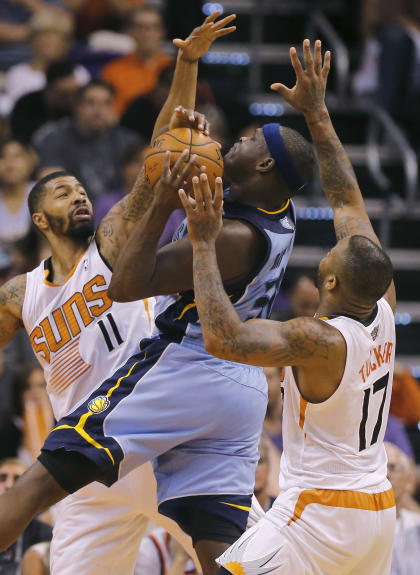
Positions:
{"x": 98, "y": 529}
{"x": 318, "y": 532}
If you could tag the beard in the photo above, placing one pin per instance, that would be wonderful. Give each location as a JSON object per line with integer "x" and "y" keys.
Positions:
{"x": 75, "y": 230}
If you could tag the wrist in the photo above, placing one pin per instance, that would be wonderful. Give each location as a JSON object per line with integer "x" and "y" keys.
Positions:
{"x": 204, "y": 246}
{"x": 183, "y": 58}
{"x": 317, "y": 115}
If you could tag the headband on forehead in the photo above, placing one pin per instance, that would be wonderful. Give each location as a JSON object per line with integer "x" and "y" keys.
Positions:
{"x": 283, "y": 160}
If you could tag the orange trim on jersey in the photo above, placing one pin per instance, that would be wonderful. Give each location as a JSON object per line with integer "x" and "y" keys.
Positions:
{"x": 277, "y": 211}
{"x": 146, "y": 307}
{"x": 71, "y": 272}
{"x": 302, "y": 411}
{"x": 160, "y": 551}
{"x": 65, "y": 351}
{"x": 341, "y": 498}
{"x": 325, "y": 318}
{"x": 68, "y": 372}
{"x": 73, "y": 378}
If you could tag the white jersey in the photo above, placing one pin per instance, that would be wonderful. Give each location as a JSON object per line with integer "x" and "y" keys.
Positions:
{"x": 79, "y": 335}
{"x": 338, "y": 444}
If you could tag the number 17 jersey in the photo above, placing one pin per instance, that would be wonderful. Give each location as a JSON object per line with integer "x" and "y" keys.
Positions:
{"x": 78, "y": 334}
{"x": 338, "y": 444}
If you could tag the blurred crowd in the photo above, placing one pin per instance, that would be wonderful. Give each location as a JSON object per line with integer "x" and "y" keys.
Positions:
{"x": 81, "y": 84}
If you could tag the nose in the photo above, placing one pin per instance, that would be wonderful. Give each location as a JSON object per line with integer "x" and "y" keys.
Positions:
{"x": 79, "y": 198}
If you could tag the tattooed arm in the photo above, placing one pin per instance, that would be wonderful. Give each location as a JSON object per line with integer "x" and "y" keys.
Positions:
{"x": 12, "y": 294}
{"x": 118, "y": 224}
{"x": 336, "y": 172}
{"x": 306, "y": 343}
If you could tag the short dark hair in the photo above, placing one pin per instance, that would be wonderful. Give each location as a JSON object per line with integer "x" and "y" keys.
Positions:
{"x": 96, "y": 83}
{"x": 301, "y": 152}
{"x": 25, "y": 145}
{"x": 58, "y": 70}
{"x": 37, "y": 192}
{"x": 367, "y": 269}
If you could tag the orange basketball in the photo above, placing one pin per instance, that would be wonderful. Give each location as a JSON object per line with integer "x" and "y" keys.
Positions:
{"x": 176, "y": 141}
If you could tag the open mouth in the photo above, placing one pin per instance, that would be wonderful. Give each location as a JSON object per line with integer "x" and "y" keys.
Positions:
{"x": 82, "y": 214}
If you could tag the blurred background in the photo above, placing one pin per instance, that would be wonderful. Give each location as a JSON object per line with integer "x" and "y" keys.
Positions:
{"x": 82, "y": 81}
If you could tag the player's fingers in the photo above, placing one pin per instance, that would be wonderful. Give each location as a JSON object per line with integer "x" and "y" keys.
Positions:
{"x": 327, "y": 64}
{"x": 225, "y": 31}
{"x": 206, "y": 191}
{"x": 212, "y": 17}
{"x": 207, "y": 127}
{"x": 218, "y": 195}
{"x": 184, "y": 201}
{"x": 190, "y": 165}
{"x": 317, "y": 57}
{"x": 200, "y": 121}
{"x": 307, "y": 55}
{"x": 224, "y": 21}
{"x": 197, "y": 194}
{"x": 166, "y": 165}
{"x": 297, "y": 66}
{"x": 281, "y": 89}
{"x": 177, "y": 166}
{"x": 179, "y": 43}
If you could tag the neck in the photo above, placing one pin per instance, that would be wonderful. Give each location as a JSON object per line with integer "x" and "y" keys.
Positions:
{"x": 333, "y": 309}
{"x": 65, "y": 254}
{"x": 39, "y": 64}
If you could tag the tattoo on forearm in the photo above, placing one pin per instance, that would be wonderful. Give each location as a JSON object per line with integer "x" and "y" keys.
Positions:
{"x": 350, "y": 225}
{"x": 139, "y": 199}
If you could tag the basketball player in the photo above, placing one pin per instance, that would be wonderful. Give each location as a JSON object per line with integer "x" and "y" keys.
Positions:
{"x": 336, "y": 511}
{"x": 80, "y": 336}
{"x": 199, "y": 418}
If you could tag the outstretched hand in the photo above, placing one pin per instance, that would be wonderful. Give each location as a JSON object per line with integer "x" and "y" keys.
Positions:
{"x": 202, "y": 37}
{"x": 166, "y": 192}
{"x": 308, "y": 94}
{"x": 204, "y": 213}
{"x": 183, "y": 118}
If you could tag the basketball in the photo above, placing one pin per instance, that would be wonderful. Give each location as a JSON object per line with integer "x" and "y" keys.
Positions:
{"x": 176, "y": 141}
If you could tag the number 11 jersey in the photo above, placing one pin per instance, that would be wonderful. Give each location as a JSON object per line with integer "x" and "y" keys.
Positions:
{"x": 78, "y": 334}
{"x": 338, "y": 444}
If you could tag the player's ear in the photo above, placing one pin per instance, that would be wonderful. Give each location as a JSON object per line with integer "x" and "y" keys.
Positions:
{"x": 266, "y": 165}
{"x": 330, "y": 282}
{"x": 40, "y": 221}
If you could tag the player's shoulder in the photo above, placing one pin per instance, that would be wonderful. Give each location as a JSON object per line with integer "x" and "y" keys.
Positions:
{"x": 12, "y": 294}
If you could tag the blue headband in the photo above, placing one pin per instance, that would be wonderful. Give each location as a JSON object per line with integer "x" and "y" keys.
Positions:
{"x": 283, "y": 160}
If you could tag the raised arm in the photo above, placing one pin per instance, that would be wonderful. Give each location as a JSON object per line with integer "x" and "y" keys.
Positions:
{"x": 305, "y": 342}
{"x": 336, "y": 172}
{"x": 12, "y": 294}
{"x": 117, "y": 225}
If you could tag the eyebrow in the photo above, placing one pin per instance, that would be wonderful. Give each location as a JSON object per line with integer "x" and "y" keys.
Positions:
{"x": 61, "y": 186}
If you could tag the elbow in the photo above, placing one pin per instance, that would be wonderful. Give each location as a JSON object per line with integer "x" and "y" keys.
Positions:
{"x": 119, "y": 292}
{"x": 219, "y": 347}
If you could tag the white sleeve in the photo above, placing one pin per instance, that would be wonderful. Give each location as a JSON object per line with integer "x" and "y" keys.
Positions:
{"x": 148, "y": 560}
{"x": 255, "y": 513}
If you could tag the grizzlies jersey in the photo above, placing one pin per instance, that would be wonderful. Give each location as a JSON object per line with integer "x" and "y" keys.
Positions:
{"x": 176, "y": 315}
{"x": 78, "y": 334}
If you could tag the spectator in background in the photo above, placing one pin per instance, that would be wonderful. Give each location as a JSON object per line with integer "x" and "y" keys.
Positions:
{"x": 405, "y": 399}
{"x": 24, "y": 433}
{"x": 53, "y": 102}
{"x": 130, "y": 166}
{"x": 91, "y": 145}
{"x": 389, "y": 72}
{"x": 161, "y": 554}
{"x": 304, "y": 300}
{"x": 92, "y": 15}
{"x": 17, "y": 162}
{"x": 50, "y": 36}
{"x": 35, "y": 532}
{"x": 405, "y": 554}
{"x": 142, "y": 112}
{"x": 14, "y": 28}
{"x": 138, "y": 73}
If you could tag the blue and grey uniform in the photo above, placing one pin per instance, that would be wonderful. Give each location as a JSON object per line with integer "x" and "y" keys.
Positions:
{"x": 197, "y": 417}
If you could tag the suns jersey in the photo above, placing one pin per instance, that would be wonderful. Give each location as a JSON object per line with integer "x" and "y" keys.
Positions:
{"x": 176, "y": 316}
{"x": 78, "y": 334}
{"x": 338, "y": 444}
